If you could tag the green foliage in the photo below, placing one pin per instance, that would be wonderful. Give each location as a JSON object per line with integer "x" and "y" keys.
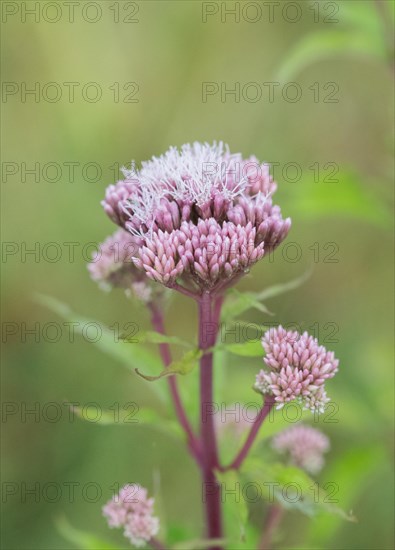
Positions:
{"x": 291, "y": 487}
{"x": 131, "y": 356}
{"x": 359, "y": 34}
{"x": 235, "y": 507}
{"x": 140, "y": 417}
{"x": 176, "y": 532}
{"x": 245, "y": 349}
{"x": 349, "y": 469}
{"x": 83, "y": 540}
{"x": 197, "y": 544}
{"x": 239, "y": 302}
{"x": 184, "y": 366}
{"x": 346, "y": 197}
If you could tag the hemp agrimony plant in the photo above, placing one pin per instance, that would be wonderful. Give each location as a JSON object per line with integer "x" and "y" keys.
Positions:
{"x": 195, "y": 221}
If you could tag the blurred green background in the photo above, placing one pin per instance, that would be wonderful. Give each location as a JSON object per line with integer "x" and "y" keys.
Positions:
{"x": 169, "y": 51}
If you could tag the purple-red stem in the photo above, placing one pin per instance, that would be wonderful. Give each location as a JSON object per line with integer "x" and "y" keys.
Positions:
{"x": 193, "y": 443}
{"x": 182, "y": 290}
{"x": 265, "y": 410}
{"x": 157, "y": 544}
{"x": 211, "y": 489}
{"x": 205, "y": 450}
{"x": 272, "y": 522}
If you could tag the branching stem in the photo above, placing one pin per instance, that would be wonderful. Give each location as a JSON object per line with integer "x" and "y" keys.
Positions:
{"x": 193, "y": 442}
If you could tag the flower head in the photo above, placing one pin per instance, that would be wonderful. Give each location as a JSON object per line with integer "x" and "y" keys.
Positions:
{"x": 304, "y": 445}
{"x": 133, "y": 510}
{"x": 202, "y": 214}
{"x": 112, "y": 265}
{"x": 299, "y": 367}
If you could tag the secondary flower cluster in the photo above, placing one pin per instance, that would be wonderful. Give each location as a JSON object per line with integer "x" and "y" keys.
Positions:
{"x": 133, "y": 510}
{"x": 304, "y": 445}
{"x": 112, "y": 266}
{"x": 202, "y": 215}
{"x": 298, "y": 367}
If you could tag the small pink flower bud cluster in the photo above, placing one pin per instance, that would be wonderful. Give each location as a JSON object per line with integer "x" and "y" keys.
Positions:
{"x": 133, "y": 510}
{"x": 299, "y": 367}
{"x": 112, "y": 266}
{"x": 304, "y": 445}
{"x": 203, "y": 215}
{"x": 208, "y": 252}
{"x": 116, "y": 196}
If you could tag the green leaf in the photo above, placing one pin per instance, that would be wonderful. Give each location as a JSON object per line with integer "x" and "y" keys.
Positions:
{"x": 234, "y": 504}
{"x": 130, "y": 415}
{"x": 362, "y": 32}
{"x": 198, "y": 544}
{"x": 83, "y": 540}
{"x": 363, "y": 16}
{"x": 239, "y": 302}
{"x": 292, "y": 487}
{"x": 250, "y": 538}
{"x": 129, "y": 356}
{"x": 176, "y": 532}
{"x": 246, "y": 349}
{"x": 282, "y": 288}
{"x": 319, "y": 45}
{"x": 184, "y": 366}
{"x": 348, "y": 469}
{"x": 347, "y": 197}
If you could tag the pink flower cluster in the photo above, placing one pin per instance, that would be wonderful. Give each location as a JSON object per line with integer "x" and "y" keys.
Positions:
{"x": 304, "y": 445}
{"x": 208, "y": 252}
{"x": 133, "y": 510}
{"x": 112, "y": 265}
{"x": 202, "y": 214}
{"x": 299, "y": 367}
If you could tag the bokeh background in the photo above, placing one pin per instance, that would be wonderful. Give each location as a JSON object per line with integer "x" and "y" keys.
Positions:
{"x": 170, "y": 51}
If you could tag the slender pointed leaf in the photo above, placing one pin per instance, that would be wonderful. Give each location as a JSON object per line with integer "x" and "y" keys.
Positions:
{"x": 319, "y": 45}
{"x": 239, "y": 302}
{"x": 130, "y": 356}
{"x": 184, "y": 366}
{"x": 281, "y": 288}
{"x": 131, "y": 416}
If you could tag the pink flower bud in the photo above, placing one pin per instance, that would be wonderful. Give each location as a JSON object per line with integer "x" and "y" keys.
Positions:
{"x": 114, "y": 265}
{"x": 299, "y": 367}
